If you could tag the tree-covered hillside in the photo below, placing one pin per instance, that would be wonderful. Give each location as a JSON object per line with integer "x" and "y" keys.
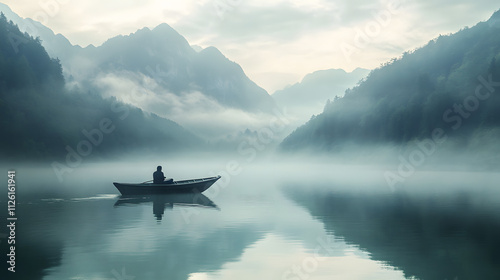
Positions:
{"x": 40, "y": 119}
{"x": 452, "y": 84}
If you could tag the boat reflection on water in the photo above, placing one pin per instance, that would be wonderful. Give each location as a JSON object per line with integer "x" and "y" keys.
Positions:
{"x": 163, "y": 201}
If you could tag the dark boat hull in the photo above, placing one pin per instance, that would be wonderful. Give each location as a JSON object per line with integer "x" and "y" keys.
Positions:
{"x": 185, "y": 186}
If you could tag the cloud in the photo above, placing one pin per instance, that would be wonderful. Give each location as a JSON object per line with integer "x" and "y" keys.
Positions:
{"x": 280, "y": 37}
{"x": 280, "y": 22}
{"x": 191, "y": 109}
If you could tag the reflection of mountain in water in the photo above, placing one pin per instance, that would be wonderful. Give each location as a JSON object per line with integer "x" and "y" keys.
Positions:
{"x": 35, "y": 251}
{"x": 426, "y": 236}
{"x": 69, "y": 238}
{"x": 160, "y": 202}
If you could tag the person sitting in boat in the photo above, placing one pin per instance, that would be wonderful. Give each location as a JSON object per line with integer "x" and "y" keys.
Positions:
{"x": 159, "y": 177}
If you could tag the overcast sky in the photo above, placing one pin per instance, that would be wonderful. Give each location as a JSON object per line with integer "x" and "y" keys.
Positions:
{"x": 276, "y": 42}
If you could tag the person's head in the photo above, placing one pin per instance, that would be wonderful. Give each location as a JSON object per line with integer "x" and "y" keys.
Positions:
{"x": 158, "y": 168}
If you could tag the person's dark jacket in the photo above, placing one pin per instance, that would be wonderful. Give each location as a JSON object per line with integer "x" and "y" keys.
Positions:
{"x": 158, "y": 177}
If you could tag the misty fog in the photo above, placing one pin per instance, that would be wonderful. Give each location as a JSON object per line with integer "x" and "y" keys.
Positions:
{"x": 388, "y": 173}
{"x": 263, "y": 207}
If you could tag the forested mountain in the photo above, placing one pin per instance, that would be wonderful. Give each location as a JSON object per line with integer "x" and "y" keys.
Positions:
{"x": 450, "y": 86}
{"x": 159, "y": 61}
{"x": 39, "y": 118}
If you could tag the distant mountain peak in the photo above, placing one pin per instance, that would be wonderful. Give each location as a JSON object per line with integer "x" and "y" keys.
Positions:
{"x": 4, "y": 8}
{"x": 166, "y": 31}
{"x": 9, "y": 14}
{"x": 196, "y": 48}
{"x": 162, "y": 39}
{"x": 334, "y": 75}
{"x": 165, "y": 28}
{"x": 142, "y": 30}
{"x": 212, "y": 51}
{"x": 322, "y": 74}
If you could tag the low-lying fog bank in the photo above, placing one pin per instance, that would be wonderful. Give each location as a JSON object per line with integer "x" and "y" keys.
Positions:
{"x": 383, "y": 169}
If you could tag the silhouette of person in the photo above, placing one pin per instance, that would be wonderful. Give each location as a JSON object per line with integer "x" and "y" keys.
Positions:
{"x": 158, "y": 176}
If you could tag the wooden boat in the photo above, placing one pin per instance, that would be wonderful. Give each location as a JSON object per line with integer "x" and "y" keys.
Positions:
{"x": 184, "y": 186}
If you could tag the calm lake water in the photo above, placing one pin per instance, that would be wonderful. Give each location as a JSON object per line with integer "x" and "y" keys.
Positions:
{"x": 265, "y": 221}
